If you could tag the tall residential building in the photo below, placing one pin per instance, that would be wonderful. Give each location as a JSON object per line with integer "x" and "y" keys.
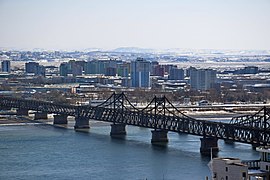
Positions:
{"x": 96, "y": 66}
{"x": 35, "y": 68}
{"x": 75, "y": 68}
{"x": 110, "y": 71}
{"x": 123, "y": 69}
{"x": 63, "y": 69}
{"x": 41, "y": 71}
{"x": 168, "y": 67}
{"x": 140, "y": 73}
{"x": 101, "y": 66}
{"x": 202, "y": 79}
{"x": 153, "y": 65}
{"x": 91, "y": 67}
{"x": 176, "y": 74}
{"x": 5, "y": 66}
{"x": 158, "y": 71}
{"x": 72, "y": 67}
{"x": 31, "y": 67}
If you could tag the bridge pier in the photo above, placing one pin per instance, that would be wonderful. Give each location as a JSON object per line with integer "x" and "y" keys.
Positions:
{"x": 254, "y": 146}
{"x": 22, "y": 112}
{"x": 40, "y": 115}
{"x": 209, "y": 144}
{"x": 159, "y": 136}
{"x": 118, "y": 130}
{"x": 81, "y": 123}
{"x": 60, "y": 119}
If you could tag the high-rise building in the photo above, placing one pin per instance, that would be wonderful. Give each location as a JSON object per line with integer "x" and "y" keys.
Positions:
{"x": 31, "y": 67}
{"x": 35, "y": 68}
{"x": 110, "y": 71}
{"x": 202, "y": 79}
{"x": 153, "y": 66}
{"x": 91, "y": 67}
{"x": 72, "y": 67}
{"x": 123, "y": 69}
{"x": 96, "y": 67}
{"x": 168, "y": 67}
{"x": 75, "y": 68}
{"x": 140, "y": 73}
{"x": 41, "y": 71}
{"x": 176, "y": 74}
{"x": 5, "y": 66}
{"x": 158, "y": 71}
{"x": 64, "y": 69}
{"x": 101, "y": 66}
{"x": 111, "y": 67}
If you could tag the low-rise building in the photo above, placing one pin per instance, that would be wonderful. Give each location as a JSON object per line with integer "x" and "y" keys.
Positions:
{"x": 234, "y": 168}
{"x": 228, "y": 169}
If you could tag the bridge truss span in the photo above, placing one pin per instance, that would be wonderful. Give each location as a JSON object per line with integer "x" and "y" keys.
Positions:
{"x": 159, "y": 114}
{"x": 259, "y": 120}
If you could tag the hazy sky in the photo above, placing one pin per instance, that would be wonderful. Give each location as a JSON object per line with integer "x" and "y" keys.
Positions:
{"x": 80, "y": 24}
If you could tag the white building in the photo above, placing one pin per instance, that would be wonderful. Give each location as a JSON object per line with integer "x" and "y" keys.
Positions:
{"x": 228, "y": 169}
{"x": 265, "y": 161}
{"x": 234, "y": 168}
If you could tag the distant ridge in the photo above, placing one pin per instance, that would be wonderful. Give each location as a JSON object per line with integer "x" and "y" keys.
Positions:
{"x": 134, "y": 50}
{"x": 174, "y": 51}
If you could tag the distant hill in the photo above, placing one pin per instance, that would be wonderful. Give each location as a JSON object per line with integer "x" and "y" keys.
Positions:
{"x": 133, "y": 50}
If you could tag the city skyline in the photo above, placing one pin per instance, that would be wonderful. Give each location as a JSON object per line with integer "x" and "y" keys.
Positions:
{"x": 194, "y": 24}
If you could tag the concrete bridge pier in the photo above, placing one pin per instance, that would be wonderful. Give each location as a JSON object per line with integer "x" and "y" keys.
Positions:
{"x": 60, "y": 119}
{"x": 40, "y": 115}
{"x": 81, "y": 123}
{"x": 254, "y": 146}
{"x": 118, "y": 130}
{"x": 159, "y": 136}
{"x": 209, "y": 144}
{"x": 22, "y": 112}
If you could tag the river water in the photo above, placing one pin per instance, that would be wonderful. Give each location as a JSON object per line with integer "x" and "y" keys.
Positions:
{"x": 45, "y": 152}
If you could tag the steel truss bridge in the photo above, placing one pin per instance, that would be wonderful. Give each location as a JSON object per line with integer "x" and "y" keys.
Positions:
{"x": 159, "y": 114}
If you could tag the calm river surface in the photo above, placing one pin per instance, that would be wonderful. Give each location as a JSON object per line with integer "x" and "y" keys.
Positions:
{"x": 44, "y": 152}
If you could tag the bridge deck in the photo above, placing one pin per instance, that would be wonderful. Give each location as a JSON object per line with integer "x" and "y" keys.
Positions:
{"x": 158, "y": 114}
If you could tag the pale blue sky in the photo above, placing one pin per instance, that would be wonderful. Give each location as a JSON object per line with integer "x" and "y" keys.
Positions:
{"x": 80, "y": 24}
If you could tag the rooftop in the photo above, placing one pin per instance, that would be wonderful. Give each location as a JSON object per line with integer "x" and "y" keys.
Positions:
{"x": 263, "y": 149}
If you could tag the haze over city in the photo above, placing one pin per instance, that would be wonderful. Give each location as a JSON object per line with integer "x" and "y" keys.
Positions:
{"x": 81, "y": 24}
